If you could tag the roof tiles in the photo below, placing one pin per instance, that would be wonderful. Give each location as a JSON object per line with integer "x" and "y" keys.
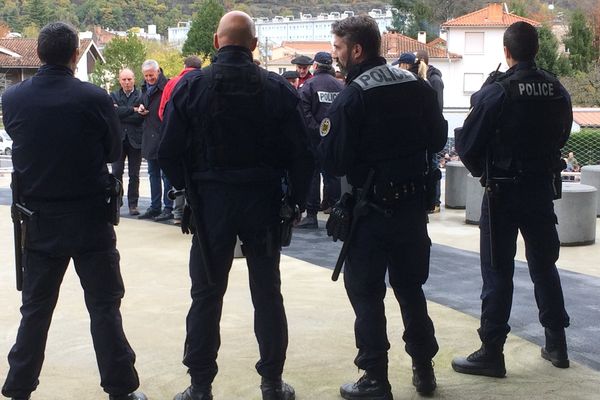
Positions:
{"x": 493, "y": 15}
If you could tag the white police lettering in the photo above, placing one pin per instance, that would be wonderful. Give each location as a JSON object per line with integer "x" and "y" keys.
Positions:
{"x": 536, "y": 89}
{"x": 327, "y": 97}
{"x": 383, "y": 75}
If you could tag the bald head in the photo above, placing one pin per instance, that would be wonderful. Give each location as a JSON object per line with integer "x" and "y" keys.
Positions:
{"x": 236, "y": 28}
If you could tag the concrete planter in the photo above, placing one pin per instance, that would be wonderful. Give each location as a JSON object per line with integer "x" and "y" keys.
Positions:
{"x": 576, "y": 213}
{"x": 473, "y": 203}
{"x": 456, "y": 185}
{"x": 590, "y": 175}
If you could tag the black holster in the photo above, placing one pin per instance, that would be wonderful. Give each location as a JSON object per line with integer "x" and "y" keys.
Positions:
{"x": 432, "y": 177}
{"x": 288, "y": 214}
{"x": 114, "y": 200}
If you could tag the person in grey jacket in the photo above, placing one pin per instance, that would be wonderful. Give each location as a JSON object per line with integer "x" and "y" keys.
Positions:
{"x": 127, "y": 101}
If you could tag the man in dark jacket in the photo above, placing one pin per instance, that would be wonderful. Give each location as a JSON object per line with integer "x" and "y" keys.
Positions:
{"x": 127, "y": 101}
{"x": 365, "y": 135}
{"x": 302, "y": 64}
{"x": 64, "y": 133}
{"x": 316, "y": 97}
{"x": 152, "y": 89}
{"x": 231, "y": 132}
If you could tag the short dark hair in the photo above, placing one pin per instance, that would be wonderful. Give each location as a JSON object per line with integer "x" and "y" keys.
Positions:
{"x": 56, "y": 43}
{"x": 362, "y": 30}
{"x": 192, "y": 62}
{"x": 521, "y": 40}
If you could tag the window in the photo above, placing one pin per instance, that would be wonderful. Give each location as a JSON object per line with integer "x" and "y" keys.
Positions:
{"x": 474, "y": 43}
{"x": 472, "y": 82}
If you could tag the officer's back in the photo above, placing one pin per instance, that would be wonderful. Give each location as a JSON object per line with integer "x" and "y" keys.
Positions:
{"x": 58, "y": 150}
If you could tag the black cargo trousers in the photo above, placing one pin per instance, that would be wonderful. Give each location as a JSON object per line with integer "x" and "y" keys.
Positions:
{"x": 59, "y": 232}
{"x": 396, "y": 243}
{"x": 226, "y": 211}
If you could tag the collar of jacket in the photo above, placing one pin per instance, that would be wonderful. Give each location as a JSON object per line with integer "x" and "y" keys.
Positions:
{"x": 54, "y": 69}
{"x": 233, "y": 54}
{"x": 366, "y": 65}
{"x": 521, "y": 66}
{"x": 160, "y": 83}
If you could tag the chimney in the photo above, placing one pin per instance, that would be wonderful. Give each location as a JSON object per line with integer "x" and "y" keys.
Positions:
{"x": 422, "y": 37}
{"x": 495, "y": 12}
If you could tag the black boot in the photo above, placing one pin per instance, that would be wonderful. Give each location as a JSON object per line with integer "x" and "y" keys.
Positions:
{"x": 195, "y": 393}
{"x": 555, "y": 350}
{"x": 423, "y": 377}
{"x": 130, "y": 396}
{"x": 276, "y": 389}
{"x": 487, "y": 361}
{"x": 367, "y": 388}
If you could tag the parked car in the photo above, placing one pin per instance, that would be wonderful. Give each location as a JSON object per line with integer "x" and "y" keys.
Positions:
{"x": 5, "y": 143}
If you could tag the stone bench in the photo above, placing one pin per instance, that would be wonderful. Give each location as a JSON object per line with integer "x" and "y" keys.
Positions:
{"x": 474, "y": 197}
{"x": 456, "y": 185}
{"x": 576, "y": 213}
{"x": 590, "y": 175}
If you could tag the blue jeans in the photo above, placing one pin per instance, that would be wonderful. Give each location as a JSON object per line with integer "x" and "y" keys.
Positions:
{"x": 156, "y": 188}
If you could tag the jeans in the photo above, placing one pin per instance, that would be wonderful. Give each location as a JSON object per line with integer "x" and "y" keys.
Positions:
{"x": 158, "y": 190}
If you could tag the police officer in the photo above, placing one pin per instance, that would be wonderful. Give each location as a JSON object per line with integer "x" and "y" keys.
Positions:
{"x": 385, "y": 120}
{"x": 316, "y": 97}
{"x": 513, "y": 135}
{"x": 238, "y": 129}
{"x": 60, "y": 158}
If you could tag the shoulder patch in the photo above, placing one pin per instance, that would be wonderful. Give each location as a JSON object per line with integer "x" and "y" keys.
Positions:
{"x": 325, "y": 127}
{"x": 383, "y": 75}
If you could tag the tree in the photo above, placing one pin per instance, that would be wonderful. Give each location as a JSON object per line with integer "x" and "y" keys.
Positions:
{"x": 169, "y": 58}
{"x": 579, "y": 42}
{"x": 37, "y": 12}
{"x": 204, "y": 25}
{"x": 119, "y": 53}
{"x": 548, "y": 57}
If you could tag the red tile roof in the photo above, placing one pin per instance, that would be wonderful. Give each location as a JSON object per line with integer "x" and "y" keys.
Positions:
{"x": 27, "y": 51}
{"x": 308, "y": 47}
{"x": 393, "y": 44}
{"x": 494, "y": 15}
{"x": 587, "y": 118}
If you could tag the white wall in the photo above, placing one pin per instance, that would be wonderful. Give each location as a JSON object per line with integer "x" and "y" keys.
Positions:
{"x": 82, "y": 68}
{"x": 484, "y": 63}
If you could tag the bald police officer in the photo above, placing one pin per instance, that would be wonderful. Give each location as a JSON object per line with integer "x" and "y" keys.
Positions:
{"x": 236, "y": 130}
{"x": 385, "y": 121}
{"x": 518, "y": 123}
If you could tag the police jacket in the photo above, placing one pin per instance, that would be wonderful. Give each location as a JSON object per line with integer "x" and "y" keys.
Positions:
{"x": 151, "y": 126}
{"x": 521, "y": 119}
{"x": 316, "y": 97}
{"x": 237, "y": 123}
{"x": 131, "y": 121}
{"x": 386, "y": 119}
{"x": 64, "y": 132}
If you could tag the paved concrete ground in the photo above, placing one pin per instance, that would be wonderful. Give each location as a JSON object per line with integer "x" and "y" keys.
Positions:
{"x": 154, "y": 267}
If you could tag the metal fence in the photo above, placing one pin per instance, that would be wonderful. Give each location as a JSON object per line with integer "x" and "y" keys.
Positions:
{"x": 585, "y": 146}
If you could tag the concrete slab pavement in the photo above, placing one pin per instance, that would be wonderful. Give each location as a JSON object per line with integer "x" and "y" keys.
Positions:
{"x": 154, "y": 265}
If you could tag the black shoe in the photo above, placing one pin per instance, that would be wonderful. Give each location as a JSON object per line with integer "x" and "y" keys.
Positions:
{"x": 194, "y": 393}
{"x": 486, "y": 361}
{"x": 130, "y": 396}
{"x": 308, "y": 222}
{"x": 20, "y": 398}
{"x": 367, "y": 388}
{"x": 164, "y": 216}
{"x": 276, "y": 390}
{"x": 133, "y": 211}
{"x": 423, "y": 377}
{"x": 149, "y": 214}
{"x": 555, "y": 350}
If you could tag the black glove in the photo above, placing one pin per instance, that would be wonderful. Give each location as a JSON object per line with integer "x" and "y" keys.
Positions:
{"x": 340, "y": 219}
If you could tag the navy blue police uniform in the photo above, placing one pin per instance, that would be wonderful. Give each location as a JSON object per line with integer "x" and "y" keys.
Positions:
{"x": 386, "y": 120}
{"x": 235, "y": 129}
{"x": 316, "y": 97}
{"x": 64, "y": 133}
{"x": 517, "y": 125}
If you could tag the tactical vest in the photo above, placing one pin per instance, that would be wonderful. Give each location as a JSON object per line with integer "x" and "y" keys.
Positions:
{"x": 390, "y": 134}
{"x": 235, "y": 129}
{"x": 530, "y": 123}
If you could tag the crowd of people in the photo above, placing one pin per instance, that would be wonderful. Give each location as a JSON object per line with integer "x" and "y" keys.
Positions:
{"x": 228, "y": 135}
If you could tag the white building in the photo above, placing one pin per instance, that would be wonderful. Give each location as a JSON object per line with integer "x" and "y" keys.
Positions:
{"x": 477, "y": 37}
{"x": 310, "y": 28}
{"x": 177, "y": 35}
